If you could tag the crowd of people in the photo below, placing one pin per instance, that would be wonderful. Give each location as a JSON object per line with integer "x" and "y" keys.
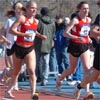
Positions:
{"x": 44, "y": 44}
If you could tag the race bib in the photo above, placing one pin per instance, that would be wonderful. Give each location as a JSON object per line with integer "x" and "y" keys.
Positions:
{"x": 30, "y": 39}
{"x": 85, "y": 30}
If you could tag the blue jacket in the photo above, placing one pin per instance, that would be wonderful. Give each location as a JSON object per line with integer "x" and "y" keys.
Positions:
{"x": 60, "y": 41}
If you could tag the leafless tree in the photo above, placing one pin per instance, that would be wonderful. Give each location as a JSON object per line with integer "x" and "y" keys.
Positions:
{"x": 64, "y": 7}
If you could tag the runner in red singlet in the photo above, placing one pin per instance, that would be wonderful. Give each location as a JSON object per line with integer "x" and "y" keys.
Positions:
{"x": 95, "y": 73}
{"x": 78, "y": 47}
{"x": 26, "y": 26}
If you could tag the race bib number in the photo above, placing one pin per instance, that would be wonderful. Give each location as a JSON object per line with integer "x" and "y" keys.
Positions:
{"x": 30, "y": 39}
{"x": 85, "y": 30}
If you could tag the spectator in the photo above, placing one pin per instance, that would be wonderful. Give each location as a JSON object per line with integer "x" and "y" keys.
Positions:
{"x": 61, "y": 44}
{"x": 46, "y": 27}
{"x": 53, "y": 61}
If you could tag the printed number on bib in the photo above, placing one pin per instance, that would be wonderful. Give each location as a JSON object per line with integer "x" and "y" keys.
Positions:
{"x": 30, "y": 39}
{"x": 85, "y": 30}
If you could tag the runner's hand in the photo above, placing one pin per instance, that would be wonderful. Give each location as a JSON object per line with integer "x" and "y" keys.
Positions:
{"x": 81, "y": 39}
{"x": 27, "y": 35}
{"x": 8, "y": 42}
{"x": 43, "y": 37}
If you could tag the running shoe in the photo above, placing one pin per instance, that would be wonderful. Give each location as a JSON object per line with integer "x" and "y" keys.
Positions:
{"x": 89, "y": 96}
{"x": 35, "y": 96}
{"x": 77, "y": 93}
{"x": 9, "y": 95}
{"x": 72, "y": 82}
{"x": 5, "y": 78}
{"x": 44, "y": 82}
{"x": 58, "y": 82}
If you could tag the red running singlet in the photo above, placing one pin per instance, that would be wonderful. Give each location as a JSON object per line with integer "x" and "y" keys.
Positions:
{"x": 27, "y": 27}
{"x": 82, "y": 30}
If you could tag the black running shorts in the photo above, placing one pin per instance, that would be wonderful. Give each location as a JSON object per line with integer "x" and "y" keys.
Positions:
{"x": 9, "y": 52}
{"x": 96, "y": 63}
{"x": 21, "y": 52}
{"x": 76, "y": 49}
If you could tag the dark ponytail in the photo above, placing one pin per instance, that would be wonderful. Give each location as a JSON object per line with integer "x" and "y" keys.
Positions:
{"x": 10, "y": 13}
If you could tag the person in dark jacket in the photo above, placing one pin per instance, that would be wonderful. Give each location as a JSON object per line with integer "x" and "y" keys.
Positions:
{"x": 46, "y": 27}
{"x": 61, "y": 44}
